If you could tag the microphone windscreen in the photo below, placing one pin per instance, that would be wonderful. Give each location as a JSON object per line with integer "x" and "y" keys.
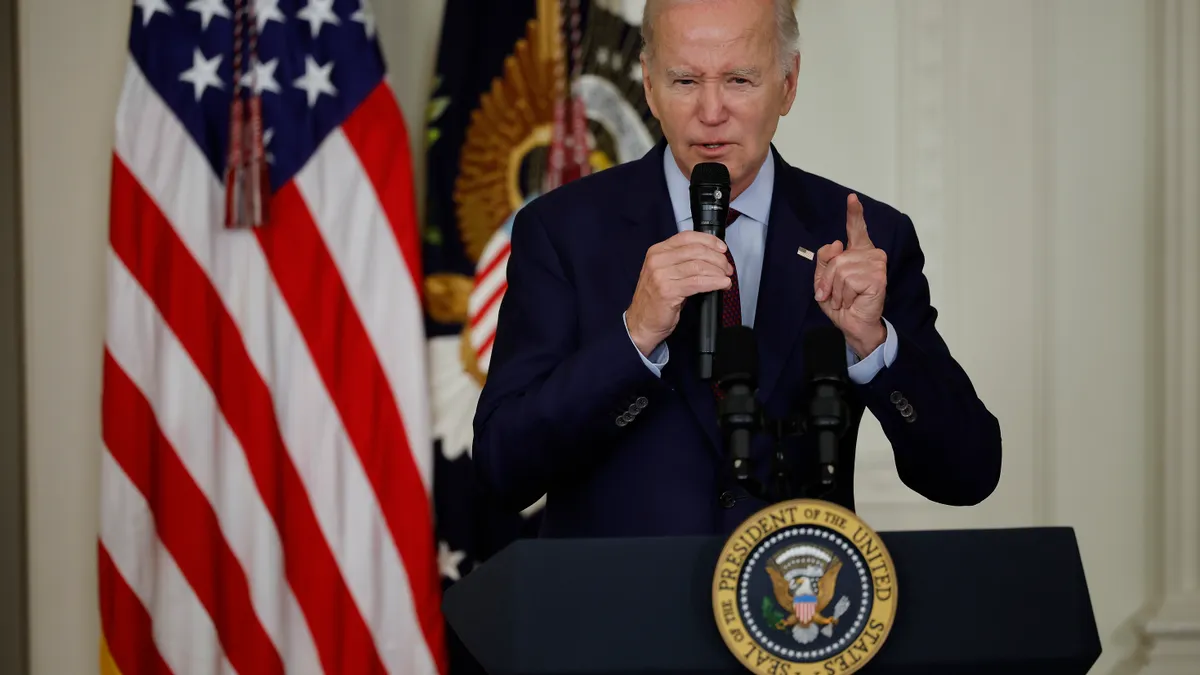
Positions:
{"x": 825, "y": 353}
{"x": 710, "y": 173}
{"x": 736, "y": 355}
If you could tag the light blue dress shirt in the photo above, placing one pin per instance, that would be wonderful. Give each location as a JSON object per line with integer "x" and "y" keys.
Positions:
{"x": 746, "y": 239}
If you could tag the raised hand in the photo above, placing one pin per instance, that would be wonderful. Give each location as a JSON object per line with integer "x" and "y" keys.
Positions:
{"x": 675, "y": 269}
{"x": 850, "y": 285}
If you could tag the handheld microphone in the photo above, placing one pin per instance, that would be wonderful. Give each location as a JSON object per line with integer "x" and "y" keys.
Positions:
{"x": 710, "y": 208}
{"x": 736, "y": 366}
{"x": 827, "y": 415}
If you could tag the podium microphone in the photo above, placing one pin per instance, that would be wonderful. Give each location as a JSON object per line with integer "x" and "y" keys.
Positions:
{"x": 710, "y": 208}
{"x": 827, "y": 415}
{"x": 736, "y": 366}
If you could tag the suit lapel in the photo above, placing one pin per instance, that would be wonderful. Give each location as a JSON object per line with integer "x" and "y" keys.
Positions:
{"x": 786, "y": 290}
{"x": 681, "y": 373}
{"x": 653, "y": 220}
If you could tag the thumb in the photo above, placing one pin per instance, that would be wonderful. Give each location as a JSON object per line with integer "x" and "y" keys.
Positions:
{"x": 856, "y": 225}
{"x": 824, "y": 255}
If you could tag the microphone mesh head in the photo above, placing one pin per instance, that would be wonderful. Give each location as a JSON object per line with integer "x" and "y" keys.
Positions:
{"x": 736, "y": 356}
{"x": 825, "y": 353}
{"x": 712, "y": 173}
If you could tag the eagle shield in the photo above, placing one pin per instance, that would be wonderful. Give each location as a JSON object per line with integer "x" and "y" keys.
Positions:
{"x": 804, "y": 577}
{"x": 805, "y": 605}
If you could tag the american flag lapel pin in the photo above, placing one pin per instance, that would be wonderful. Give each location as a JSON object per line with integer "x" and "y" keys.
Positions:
{"x": 804, "y": 253}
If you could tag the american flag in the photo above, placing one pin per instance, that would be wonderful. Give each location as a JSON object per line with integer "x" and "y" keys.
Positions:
{"x": 805, "y": 606}
{"x": 266, "y": 470}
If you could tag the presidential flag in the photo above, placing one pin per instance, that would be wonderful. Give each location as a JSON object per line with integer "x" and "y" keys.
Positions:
{"x": 266, "y": 451}
{"x": 528, "y": 95}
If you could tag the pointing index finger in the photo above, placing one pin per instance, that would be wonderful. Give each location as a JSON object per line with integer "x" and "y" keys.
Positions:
{"x": 856, "y": 225}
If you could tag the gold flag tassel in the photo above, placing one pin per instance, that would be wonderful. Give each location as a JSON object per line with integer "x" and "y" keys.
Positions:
{"x": 247, "y": 184}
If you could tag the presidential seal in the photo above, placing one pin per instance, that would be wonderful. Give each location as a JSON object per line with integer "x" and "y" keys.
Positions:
{"x": 804, "y": 587}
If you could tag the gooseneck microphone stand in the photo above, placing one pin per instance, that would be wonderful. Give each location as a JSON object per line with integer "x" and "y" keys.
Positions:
{"x": 822, "y": 412}
{"x": 735, "y": 370}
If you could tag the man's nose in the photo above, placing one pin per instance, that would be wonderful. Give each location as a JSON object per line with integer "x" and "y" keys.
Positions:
{"x": 712, "y": 104}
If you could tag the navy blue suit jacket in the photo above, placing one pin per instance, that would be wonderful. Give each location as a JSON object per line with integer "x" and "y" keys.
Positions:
{"x": 552, "y": 418}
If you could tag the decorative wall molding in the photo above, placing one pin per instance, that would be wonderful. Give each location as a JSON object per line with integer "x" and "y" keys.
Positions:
{"x": 1173, "y": 632}
{"x": 1045, "y": 78}
{"x": 14, "y": 513}
{"x": 926, "y": 136}
{"x": 927, "y": 127}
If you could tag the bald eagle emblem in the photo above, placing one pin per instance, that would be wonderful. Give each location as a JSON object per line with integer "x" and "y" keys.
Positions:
{"x": 804, "y": 578}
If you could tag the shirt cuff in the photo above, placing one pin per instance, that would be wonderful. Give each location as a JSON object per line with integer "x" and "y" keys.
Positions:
{"x": 658, "y": 357}
{"x": 862, "y": 372}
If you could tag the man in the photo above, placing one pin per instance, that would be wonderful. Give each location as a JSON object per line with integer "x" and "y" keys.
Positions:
{"x": 593, "y": 396}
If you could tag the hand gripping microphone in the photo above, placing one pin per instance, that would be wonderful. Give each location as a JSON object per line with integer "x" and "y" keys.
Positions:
{"x": 737, "y": 379}
{"x": 827, "y": 414}
{"x": 710, "y": 209}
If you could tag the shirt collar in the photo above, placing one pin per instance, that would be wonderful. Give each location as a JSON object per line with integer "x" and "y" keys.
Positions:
{"x": 755, "y": 201}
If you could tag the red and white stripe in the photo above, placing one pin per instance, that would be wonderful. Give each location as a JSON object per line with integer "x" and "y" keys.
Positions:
{"x": 805, "y": 609}
{"x": 267, "y": 461}
{"x": 483, "y": 304}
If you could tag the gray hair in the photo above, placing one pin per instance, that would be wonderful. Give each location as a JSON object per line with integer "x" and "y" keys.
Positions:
{"x": 787, "y": 30}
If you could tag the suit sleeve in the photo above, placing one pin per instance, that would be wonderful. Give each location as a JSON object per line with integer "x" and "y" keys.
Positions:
{"x": 946, "y": 443}
{"x": 553, "y": 399}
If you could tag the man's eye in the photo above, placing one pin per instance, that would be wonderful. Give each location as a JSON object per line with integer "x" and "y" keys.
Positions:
{"x": 684, "y": 81}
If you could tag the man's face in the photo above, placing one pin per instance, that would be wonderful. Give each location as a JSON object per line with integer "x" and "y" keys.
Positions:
{"x": 716, "y": 86}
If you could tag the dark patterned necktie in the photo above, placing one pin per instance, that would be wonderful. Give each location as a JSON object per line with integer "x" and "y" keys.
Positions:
{"x": 731, "y": 299}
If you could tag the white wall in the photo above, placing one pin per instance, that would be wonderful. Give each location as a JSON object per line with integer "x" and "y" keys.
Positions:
{"x": 71, "y": 66}
{"x": 1018, "y": 133}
